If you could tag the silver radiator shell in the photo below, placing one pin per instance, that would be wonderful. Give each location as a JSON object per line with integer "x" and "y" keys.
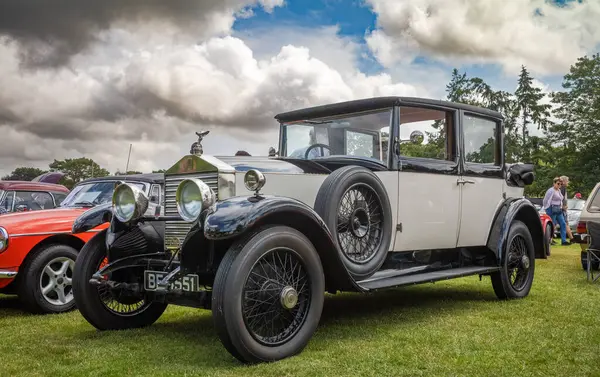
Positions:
{"x": 176, "y": 231}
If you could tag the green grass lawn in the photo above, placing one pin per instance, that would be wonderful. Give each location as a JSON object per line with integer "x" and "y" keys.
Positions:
{"x": 450, "y": 328}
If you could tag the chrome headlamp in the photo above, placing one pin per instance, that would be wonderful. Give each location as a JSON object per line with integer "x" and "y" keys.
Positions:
{"x": 129, "y": 202}
{"x": 3, "y": 239}
{"x": 254, "y": 180}
{"x": 192, "y": 197}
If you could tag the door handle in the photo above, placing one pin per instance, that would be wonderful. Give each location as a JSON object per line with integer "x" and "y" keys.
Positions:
{"x": 463, "y": 181}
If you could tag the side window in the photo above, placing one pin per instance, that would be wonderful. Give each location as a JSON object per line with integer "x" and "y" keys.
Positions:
{"x": 594, "y": 205}
{"x": 437, "y": 127}
{"x": 481, "y": 144}
{"x": 7, "y": 202}
{"x": 59, "y": 197}
{"x": 360, "y": 144}
{"x": 33, "y": 201}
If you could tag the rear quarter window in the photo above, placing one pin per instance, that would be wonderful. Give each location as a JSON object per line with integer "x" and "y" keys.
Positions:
{"x": 594, "y": 205}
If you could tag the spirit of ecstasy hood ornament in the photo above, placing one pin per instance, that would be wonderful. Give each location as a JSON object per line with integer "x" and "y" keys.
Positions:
{"x": 197, "y": 146}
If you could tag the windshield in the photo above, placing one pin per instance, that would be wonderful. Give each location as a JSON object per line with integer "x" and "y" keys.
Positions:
{"x": 93, "y": 194}
{"x": 575, "y": 204}
{"x": 361, "y": 135}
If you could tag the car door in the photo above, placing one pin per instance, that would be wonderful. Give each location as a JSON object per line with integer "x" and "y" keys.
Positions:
{"x": 482, "y": 178}
{"x": 428, "y": 194}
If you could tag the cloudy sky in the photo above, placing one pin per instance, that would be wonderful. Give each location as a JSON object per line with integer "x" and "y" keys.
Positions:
{"x": 88, "y": 77}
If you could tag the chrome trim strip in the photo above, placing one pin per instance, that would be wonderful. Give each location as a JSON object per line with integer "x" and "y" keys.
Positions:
{"x": 50, "y": 233}
{"x": 5, "y": 274}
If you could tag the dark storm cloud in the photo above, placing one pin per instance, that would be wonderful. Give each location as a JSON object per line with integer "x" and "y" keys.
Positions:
{"x": 50, "y": 32}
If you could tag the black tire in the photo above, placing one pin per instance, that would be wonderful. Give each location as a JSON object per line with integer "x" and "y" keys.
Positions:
{"x": 330, "y": 197}
{"x": 584, "y": 261}
{"x": 230, "y": 296}
{"x": 548, "y": 236}
{"x": 32, "y": 276}
{"x": 89, "y": 298}
{"x": 519, "y": 245}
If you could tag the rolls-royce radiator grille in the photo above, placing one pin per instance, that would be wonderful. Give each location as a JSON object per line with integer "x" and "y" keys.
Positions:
{"x": 175, "y": 231}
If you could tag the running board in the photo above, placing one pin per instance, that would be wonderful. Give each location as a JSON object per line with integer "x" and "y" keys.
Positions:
{"x": 395, "y": 278}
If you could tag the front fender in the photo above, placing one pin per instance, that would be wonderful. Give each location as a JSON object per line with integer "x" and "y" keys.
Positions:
{"x": 234, "y": 217}
{"x": 516, "y": 209}
{"x": 92, "y": 218}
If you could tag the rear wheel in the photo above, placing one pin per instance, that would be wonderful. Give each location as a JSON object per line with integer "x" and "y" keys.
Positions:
{"x": 548, "y": 236}
{"x": 103, "y": 307}
{"x": 268, "y": 295}
{"x": 515, "y": 278}
{"x": 584, "y": 262}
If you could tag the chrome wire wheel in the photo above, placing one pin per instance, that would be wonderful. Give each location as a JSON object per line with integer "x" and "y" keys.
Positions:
{"x": 116, "y": 303}
{"x": 56, "y": 281}
{"x": 359, "y": 224}
{"x": 276, "y": 297}
{"x": 518, "y": 263}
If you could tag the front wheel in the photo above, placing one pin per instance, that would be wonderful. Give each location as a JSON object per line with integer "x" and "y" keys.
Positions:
{"x": 105, "y": 308}
{"x": 45, "y": 283}
{"x": 268, "y": 295}
{"x": 515, "y": 277}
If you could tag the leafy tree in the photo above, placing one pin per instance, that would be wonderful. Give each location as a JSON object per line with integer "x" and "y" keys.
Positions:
{"x": 576, "y": 134}
{"x": 77, "y": 169}
{"x": 159, "y": 171}
{"x": 530, "y": 111}
{"x": 23, "y": 174}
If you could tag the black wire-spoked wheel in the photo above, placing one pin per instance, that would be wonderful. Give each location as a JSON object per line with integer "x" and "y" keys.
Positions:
{"x": 118, "y": 303}
{"x": 518, "y": 263}
{"x": 276, "y": 297}
{"x": 359, "y": 223}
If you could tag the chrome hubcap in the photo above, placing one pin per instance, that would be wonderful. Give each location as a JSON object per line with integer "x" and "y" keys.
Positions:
{"x": 289, "y": 297}
{"x": 525, "y": 261}
{"x": 55, "y": 281}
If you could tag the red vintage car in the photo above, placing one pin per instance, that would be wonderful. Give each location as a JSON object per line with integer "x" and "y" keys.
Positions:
{"x": 547, "y": 224}
{"x": 38, "y": 249}
{"x": 548, "y": 227}
{"x": 21, "y": 196}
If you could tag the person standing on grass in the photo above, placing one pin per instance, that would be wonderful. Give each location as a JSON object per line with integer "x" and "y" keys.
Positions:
{"x": 553, "y": 206}
{"x": 563, "y": 190}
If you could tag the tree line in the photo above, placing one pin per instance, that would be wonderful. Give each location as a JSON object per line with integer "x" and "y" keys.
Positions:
{"x": 75, "y": 170}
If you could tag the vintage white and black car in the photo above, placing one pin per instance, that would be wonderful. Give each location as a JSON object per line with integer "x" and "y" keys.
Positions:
{"x": 260, "y": 240}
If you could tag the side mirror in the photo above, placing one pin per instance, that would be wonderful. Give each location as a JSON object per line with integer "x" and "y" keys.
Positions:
{"x": 417, "y": 137}
{"x": 272, "y": 152}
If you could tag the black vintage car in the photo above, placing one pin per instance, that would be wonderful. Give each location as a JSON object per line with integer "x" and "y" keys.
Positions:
{"x": 346, "y": 203}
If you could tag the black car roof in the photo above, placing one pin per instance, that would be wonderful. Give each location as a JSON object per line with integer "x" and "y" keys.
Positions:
{"x": 378, "y": 103}
{"x": 148, "y": 178}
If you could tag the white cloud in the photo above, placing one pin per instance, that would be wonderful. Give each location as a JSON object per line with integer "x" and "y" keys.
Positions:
{"x": 155, "y": 90}
{"x": 502, "y": 32}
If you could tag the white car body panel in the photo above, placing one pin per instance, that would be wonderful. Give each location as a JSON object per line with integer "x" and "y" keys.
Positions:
{"x": 479, "y": 203}
{"x": 428, "y": 209}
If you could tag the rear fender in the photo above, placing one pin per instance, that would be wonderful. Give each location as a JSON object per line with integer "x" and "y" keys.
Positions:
{"x": 235, "y": 217}
{"x": 516, "y": 209}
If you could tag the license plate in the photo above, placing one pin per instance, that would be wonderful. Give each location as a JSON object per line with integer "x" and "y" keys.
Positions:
{"x": 187, "y": 283}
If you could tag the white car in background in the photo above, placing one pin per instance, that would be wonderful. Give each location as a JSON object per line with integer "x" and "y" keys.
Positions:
{"x": 590, "y": 212}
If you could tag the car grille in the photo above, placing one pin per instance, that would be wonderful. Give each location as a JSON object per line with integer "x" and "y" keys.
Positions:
{"x": 175, "y": 231}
